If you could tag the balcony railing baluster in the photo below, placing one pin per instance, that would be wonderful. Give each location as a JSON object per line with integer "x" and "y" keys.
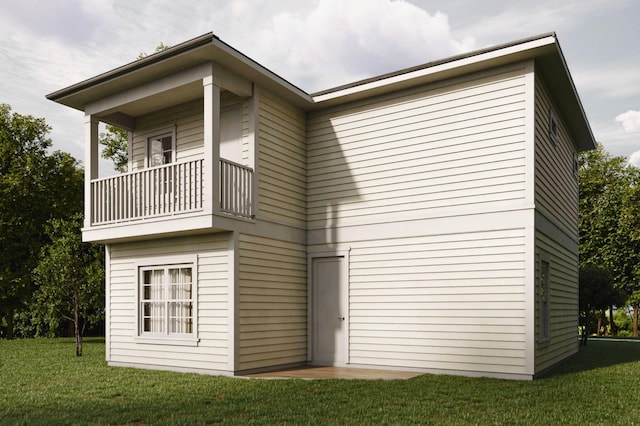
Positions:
{"x": 168, "y": 190}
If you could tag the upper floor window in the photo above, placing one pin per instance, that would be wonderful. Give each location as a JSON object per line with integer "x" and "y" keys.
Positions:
{"x": 160, "y": 149}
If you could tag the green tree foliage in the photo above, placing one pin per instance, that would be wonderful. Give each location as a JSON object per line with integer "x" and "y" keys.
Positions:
{"x": 70, "y": 278}
{"x": 609, "y": 219}
{"x": 115, "y": 139}
{"x": 35, "y": 186}
{"x": 597, "y": 293}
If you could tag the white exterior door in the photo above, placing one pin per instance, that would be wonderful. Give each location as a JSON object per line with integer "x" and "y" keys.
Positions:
{"x": 330, "y": 316}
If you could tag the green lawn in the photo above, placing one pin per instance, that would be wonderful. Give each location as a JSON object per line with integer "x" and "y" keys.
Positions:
{"x": 42, "y": 382}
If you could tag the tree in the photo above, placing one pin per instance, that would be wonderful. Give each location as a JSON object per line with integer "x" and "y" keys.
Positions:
{"x": 70, "y": 277}
{"x": 115, "y": 139}
{"x": 609, "y": 219}
{"x": 35, "y": 186}
{"x": 597, "y": 293}
{"x": 627, "y": 243}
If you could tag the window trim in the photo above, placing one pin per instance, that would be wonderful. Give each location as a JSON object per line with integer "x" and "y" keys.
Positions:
{"x": 544, "y": 304}
{"x": 160, "y": 132}
{"x": 167, "y": 338}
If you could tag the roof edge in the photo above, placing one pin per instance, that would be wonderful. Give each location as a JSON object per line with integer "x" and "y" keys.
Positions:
{"x": 133, "y": 66}
{"x": 434, "y": 63}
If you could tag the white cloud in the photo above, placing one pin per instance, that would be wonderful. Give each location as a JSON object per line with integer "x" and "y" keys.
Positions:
{"x": 338, "y": 42}
{"x": 634, "y": 159}
{"x": 630, "y": 121}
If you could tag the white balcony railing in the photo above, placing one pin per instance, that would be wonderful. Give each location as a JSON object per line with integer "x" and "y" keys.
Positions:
{"x": 158, "y": 191}
{"x": 236, "y": 189}
{"x": 168, "y": 190}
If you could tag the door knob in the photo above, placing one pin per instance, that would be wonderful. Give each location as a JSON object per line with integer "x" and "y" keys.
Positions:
{"x": 341, "y": 318}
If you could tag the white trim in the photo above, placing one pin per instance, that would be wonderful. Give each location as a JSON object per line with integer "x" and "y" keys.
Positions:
{"x": 344, "y": 253}
{"x": 530, "y": 133}
{"x": 160, "y": 132}
{"x": 254, "y": 146}
{"x": 434, "y": 70}
{"x": 107, "y": 302}
{"x": 169, "y": 339}
{"x": 155, "y": 87}
{"x": 90, "y": 163}
{"x": 233, "y": 309}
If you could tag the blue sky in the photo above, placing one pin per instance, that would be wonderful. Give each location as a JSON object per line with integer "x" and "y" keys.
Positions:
{"x": 47, "y": 45}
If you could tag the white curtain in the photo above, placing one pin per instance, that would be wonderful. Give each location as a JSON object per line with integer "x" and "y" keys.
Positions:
{"x": 180, "y": 301}
{"x": 153, "y": 301}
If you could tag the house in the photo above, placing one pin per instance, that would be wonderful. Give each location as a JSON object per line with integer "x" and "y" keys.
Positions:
{"x": 423, "y": 220}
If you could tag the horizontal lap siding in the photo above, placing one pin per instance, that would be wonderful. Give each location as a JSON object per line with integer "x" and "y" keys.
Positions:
{"x": 450, "y": 301}
{"x": 556, "y": 186}
{"x": 564, "y": 302}
{"x": 424, "y": 152}
{"x": 272, "y": 302}
{"x": 189, "y": 121}
{"x": 212, "y": 351}
{"x": 556, "y": 193}
{"x": 281, "y": 162}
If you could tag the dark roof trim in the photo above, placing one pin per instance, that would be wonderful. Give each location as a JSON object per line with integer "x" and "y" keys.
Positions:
{"x": 133, "y": 66}
{"x": 433, "y": 64}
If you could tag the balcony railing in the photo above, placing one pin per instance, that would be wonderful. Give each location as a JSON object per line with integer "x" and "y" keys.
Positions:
{"x": 168, "y": 190}
{"x": 236, "y": 188}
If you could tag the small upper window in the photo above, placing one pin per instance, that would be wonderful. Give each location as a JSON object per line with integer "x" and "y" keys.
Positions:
{"x": 554, "y": 133}
{"x": 160, "y": 149}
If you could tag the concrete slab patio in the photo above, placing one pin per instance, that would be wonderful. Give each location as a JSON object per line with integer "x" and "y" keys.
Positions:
{"x": 316, "y": 372}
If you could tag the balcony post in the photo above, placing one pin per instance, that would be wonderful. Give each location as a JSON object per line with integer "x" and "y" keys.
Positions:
{"x": 211, "y": 188}
{"x": 90, "y": 164}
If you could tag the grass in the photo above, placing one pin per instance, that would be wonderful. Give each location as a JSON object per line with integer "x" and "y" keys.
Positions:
{"x": 42, "y": 382}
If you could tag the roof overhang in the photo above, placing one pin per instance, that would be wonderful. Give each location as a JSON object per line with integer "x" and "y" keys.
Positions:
{"x": 208, "y": 48}
{"x": 543, "y": 49}
{"x": 185, "y": 56}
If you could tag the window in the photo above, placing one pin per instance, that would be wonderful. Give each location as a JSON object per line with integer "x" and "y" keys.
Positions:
{"x": 543, "y": 300}
{"x": 160, "y": 150}
{"x": 166, "y": 300}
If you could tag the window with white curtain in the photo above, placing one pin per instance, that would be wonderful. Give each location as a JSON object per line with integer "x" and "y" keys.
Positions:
{"x": 166, "y": 300}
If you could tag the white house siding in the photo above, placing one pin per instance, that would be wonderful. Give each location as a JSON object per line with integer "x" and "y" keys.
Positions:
{"x": 556, "y": 183}
{"x": 272, "y": 302}
{"x": 188, "y": 120}
{"x": 563, "y": 289}
{"x": 282, "y": 191}
{"x": 448, "y": 301}
{"x": 411, "y": 183}
{"x": 211, "y": 352}
{"x": 556, "y": 198}
{"x": 442, "y": 150}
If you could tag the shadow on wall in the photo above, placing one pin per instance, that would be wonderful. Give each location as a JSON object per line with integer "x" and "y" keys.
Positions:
{"x": 331, "y": 188}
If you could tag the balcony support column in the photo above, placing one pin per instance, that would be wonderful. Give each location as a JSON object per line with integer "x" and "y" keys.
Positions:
{"x": 90, "y": 164}
{"x": 211, "y": 187}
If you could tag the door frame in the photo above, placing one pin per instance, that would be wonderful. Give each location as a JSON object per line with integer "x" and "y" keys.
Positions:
{"x": 319, "y": 254}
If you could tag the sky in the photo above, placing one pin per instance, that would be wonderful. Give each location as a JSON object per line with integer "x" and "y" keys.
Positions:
{"x": 318, "y": 44}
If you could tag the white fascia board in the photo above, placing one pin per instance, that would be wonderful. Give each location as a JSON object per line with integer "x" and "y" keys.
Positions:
{"x": 465, "y": 61}
{"x": 149, "y": 89}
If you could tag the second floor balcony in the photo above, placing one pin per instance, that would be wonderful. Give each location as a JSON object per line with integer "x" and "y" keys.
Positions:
{"x": 169, "y": 190}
